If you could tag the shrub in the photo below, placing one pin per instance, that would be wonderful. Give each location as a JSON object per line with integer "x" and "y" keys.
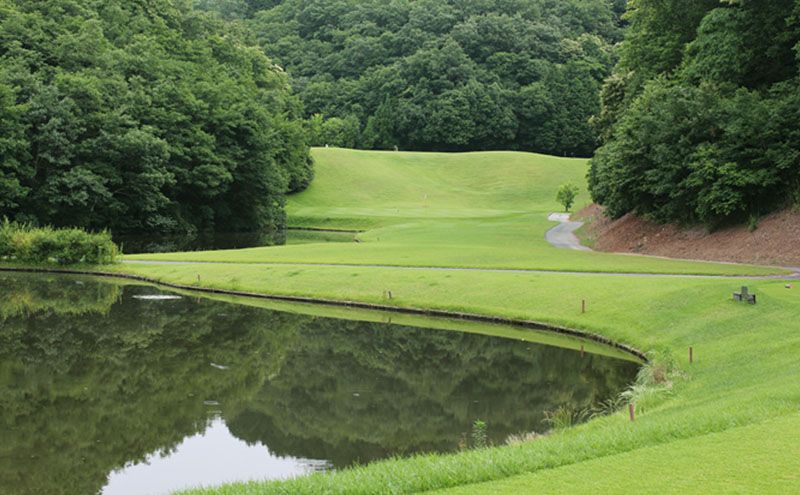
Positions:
{"x": 27, "y": 244}
{"x": 653, "y": 382}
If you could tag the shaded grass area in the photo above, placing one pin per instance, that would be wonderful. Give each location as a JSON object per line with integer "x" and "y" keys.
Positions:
{"x": 301, "y": 236}
{"x": 744, "y": 370}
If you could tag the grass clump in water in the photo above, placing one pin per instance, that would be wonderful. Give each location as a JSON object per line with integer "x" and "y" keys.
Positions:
{"x": 654, "y": 383}
{"x": 565, "y": 417}
{"x": 479, "y": 435}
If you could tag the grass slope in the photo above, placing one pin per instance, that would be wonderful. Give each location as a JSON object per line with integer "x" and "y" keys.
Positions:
{"x": 350, "y": 185}
{"x": 467, "y": 210}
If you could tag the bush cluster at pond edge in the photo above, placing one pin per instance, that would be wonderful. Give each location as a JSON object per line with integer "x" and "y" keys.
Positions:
{"x": 28, "y": 244}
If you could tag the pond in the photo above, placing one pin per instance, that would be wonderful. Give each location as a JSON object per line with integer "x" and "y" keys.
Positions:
{"x": 111, "y": 387}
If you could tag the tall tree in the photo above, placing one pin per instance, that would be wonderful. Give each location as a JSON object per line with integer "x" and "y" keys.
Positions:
{"x": 658, "y": 33}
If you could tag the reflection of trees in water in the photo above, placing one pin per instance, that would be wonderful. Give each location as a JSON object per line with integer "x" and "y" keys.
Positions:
{"x": 31, "y": 293}
{"x": 92, "y": 378}
{"x": 417, "y": 390}
{"x": 139, "y": 243}
{"x": 80, "y": 397}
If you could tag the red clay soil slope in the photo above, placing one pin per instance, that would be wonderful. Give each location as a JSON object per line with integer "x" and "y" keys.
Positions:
{"x": 776, "y": 241}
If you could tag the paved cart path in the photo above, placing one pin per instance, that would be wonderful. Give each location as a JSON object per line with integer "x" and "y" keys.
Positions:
{"x": 561, "y": 236}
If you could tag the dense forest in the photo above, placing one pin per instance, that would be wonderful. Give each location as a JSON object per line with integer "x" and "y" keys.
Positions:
{"x": 197, "y": 115}
{"x": 446, "y": 75}
{"x": 182, "y": 116}
{"x": 142, "y": 115}
{"x": 701, "y": 118}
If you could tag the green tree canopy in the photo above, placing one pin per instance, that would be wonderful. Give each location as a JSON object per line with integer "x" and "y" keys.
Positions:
{"x": 445, "y": 75}
{"x": 700, "y": 120}
{"x": 566, "y": 195}
{"x": 142, "y": 115}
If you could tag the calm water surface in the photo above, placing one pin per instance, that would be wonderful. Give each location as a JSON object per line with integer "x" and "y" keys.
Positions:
{"x": 114, "y": 388}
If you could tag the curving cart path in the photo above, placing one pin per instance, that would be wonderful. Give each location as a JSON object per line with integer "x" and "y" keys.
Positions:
{"x": 561, "y": 236}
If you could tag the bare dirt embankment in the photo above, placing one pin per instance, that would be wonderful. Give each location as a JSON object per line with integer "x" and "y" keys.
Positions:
{"x": 776, "y": 241}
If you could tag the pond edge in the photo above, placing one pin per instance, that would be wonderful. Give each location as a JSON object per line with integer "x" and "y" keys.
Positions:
{"x": 529, "y": 324}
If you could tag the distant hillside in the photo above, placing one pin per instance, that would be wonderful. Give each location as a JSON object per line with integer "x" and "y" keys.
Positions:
{"x": 441, "y": 75}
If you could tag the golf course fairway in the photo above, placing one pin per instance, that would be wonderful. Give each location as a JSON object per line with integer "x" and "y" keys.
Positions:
{"x": 728, "y": 422}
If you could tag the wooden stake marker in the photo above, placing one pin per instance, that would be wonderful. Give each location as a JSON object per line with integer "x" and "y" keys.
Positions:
{"x": 630, "y": 409}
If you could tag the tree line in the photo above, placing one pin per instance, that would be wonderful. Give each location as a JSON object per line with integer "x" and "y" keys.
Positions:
{"x": 142, "y": 116}
{"x": 700, "y": 120}
{"x": 442, "y": 75}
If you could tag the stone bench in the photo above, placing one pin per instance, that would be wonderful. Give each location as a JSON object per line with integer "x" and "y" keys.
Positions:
{"x": 744, "y": 296}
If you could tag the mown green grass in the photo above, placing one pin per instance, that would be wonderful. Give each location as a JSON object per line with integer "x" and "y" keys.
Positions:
{"x": 302, "y": 236}
{"x": 355, "y": 184}
{"x": 507, "y": 243}
{"x": 485, "y": 210}
{"x": 729, "y": 422}
{"x": 738, "y": 460}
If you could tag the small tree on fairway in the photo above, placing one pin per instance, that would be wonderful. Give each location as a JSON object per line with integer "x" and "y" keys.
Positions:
{"x": 566, "y": 195}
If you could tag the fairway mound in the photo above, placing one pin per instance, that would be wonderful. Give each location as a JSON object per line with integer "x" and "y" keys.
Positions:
{"x": 776, "y": 241}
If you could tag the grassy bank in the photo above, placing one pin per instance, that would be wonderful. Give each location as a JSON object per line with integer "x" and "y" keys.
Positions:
{"x": 726, "y": 423}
